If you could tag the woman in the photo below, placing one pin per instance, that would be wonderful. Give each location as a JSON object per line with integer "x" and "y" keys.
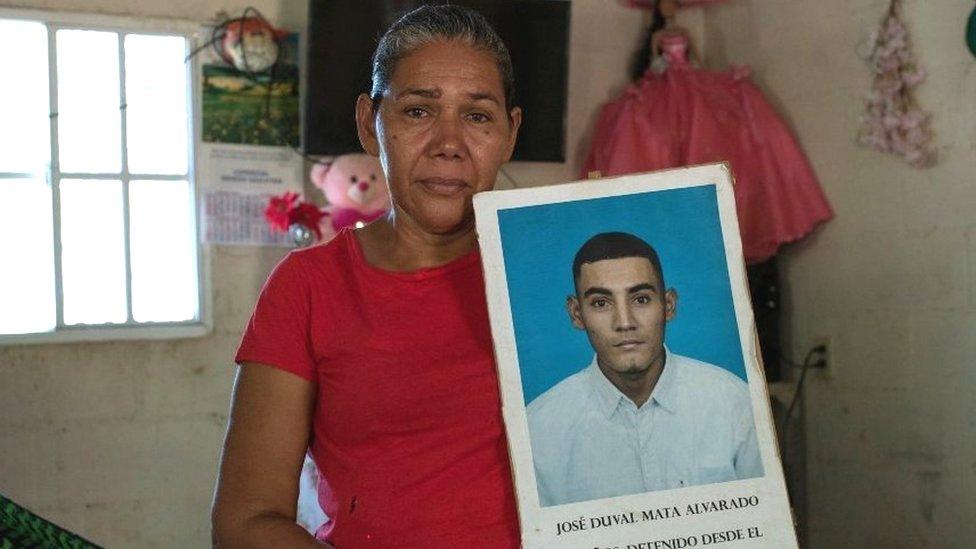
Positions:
{"x": 374, "y": 351}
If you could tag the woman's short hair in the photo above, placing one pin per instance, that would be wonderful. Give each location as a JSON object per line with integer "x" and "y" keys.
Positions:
{"x": 431, "y": 23}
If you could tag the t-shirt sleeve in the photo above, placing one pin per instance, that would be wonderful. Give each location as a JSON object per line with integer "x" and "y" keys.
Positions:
{"x": 278, "y": 332}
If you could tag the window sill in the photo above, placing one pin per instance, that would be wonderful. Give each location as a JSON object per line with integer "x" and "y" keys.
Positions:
{"x": 110, "y": 333}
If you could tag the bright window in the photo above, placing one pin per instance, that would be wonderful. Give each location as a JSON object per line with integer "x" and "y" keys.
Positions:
{"x": 97, "y": 195}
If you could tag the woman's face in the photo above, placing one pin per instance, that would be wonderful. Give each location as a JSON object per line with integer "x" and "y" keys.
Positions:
{"x": 441, "y": 132}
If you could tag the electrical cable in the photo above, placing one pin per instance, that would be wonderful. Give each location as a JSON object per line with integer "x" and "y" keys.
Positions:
{"x": 799, "y": 387}
{"x": 784, "y": 429}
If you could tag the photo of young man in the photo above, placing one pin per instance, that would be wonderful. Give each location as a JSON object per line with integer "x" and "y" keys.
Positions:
{"x": 638, "y": 418}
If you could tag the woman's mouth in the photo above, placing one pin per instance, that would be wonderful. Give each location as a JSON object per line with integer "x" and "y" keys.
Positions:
{"x": 444, "y": 187}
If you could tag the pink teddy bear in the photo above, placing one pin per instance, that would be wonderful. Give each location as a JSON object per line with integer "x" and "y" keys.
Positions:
{"x": 355, "y": 187}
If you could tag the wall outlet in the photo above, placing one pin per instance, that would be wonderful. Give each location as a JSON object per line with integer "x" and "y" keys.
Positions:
{"x": 822, "y": 361}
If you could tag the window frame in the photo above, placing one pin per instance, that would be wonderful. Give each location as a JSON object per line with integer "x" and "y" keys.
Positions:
{"x": 130, "y": 330}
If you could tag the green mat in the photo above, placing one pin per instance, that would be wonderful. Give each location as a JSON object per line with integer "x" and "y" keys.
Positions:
{"x": 19, "y": 528}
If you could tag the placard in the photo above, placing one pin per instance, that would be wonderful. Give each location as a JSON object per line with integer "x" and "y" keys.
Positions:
{"x": 633, "y": 394}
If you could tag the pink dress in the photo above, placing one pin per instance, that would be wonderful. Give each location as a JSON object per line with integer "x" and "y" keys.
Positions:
{"x": 685, "y": 116}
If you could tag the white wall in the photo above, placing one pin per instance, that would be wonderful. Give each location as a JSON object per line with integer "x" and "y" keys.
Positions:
{"x": 119, "y": 441}
{"x": 892, "y": 280}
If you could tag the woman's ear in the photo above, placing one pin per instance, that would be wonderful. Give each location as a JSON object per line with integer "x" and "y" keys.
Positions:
{"x": 366, "y": 125}
{"x": 514, "y": 122}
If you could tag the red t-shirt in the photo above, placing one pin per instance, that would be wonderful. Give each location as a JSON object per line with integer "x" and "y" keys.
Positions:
{"x": 407, "y": 430}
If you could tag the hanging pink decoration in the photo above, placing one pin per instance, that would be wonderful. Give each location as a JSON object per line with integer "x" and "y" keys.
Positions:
{"x": 893, "y": 122}
{"x": 683, "y": 115}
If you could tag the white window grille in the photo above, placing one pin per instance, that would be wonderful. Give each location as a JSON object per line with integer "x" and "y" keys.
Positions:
{"x": 98, "y": 223}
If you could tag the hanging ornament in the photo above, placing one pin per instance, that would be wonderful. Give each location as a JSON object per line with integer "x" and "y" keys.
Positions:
{"x": 250, "y": 44}
{"x": 301, "y": 235}
{"x": 892, "y": 121}
{"x": 301, "y": 220}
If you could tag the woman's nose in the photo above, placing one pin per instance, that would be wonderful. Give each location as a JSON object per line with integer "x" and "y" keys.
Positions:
{"x": 448, "y": 140}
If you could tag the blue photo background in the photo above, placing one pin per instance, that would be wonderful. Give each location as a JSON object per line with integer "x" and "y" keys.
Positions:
{"x": 539, "y": 243}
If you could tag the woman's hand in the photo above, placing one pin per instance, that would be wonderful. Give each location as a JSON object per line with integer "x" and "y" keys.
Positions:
{"x": 267, "y": 437}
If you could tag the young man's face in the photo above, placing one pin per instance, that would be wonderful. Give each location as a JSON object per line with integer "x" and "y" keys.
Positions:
{"x": 623, "y": 308}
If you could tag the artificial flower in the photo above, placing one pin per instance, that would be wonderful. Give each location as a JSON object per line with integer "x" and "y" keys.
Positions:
{"x": 285, "y": 211}
{"x": 891, "y": 121}
{"x": 308, "y": 215}
{"x": 276, "y": 214}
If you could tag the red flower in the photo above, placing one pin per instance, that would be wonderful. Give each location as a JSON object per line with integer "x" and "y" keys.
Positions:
{"x": 308, "y": 215}
{"x": 286, "y": 210}
{"x": 277, "y": 214}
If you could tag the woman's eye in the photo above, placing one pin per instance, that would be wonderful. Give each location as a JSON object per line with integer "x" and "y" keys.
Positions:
{"x": 479, "y": 117}
{"x": 415, "y": 112}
